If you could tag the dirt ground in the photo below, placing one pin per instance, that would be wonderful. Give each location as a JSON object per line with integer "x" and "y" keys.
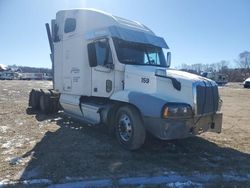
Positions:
{"x": 36, "y": 146}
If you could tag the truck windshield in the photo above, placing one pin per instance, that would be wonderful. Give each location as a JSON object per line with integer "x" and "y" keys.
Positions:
{"x": 139, "y": 54}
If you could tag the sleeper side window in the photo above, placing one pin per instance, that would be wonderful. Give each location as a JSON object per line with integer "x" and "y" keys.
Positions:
{"x": 70, "y": 25}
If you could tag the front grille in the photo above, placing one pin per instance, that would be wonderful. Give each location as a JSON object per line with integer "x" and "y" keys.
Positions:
{"x": 207, "y": 98}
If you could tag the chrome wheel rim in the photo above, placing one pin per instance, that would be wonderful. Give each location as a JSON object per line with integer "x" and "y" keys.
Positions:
{"x": 125, "y": 127}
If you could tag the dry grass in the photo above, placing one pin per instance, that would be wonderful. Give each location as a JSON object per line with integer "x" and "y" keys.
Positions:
{"x": 33, "y": 145}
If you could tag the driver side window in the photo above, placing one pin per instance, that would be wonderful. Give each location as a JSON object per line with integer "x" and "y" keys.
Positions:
{"x": 103, "y": 52}
{"x": 99, "y": 53}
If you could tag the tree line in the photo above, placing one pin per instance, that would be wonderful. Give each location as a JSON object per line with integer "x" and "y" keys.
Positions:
{"x": 237, "y": 74}
{"x": 26, "y": 69}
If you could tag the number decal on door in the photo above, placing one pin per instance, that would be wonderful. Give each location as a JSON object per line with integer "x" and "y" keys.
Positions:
{"x": 145, "y": 80}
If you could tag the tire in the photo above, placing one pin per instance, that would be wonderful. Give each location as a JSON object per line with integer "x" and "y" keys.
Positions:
{"x": 45, "y": 102}
{"x": 34, "y": 99}
{"x": 55, "y": 104}
{"x": 129, "y": 128}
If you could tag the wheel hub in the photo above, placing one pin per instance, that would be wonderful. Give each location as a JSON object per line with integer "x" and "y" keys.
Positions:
{"x": 125, "y": 127}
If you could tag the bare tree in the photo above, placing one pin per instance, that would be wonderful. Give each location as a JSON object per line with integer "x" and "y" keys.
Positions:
{"x": 244, "y": 60}
{"x": 184, "y": 66}
{"x": 197, "y": 67}
{"x": 222, "y": 65}
{"x": 213, "y": 67}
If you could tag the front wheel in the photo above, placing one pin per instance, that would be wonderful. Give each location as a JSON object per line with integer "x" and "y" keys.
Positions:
{"x": 130, "y": 131}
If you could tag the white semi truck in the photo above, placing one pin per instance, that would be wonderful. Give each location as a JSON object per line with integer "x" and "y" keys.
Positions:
{"x": 112, "y": 71}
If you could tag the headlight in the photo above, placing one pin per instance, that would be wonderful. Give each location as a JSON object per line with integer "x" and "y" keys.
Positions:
{"x": 176, "y": 110}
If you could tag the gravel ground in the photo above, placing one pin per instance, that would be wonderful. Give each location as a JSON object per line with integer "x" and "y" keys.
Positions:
{"x": 36, "y": 146}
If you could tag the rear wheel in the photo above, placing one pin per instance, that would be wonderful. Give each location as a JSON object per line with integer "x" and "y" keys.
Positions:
{"x": 129, "y": 128}
{"x": 45, "y": 102}
{"x": 34, "y": 98}
{"x": 49, "y": 102}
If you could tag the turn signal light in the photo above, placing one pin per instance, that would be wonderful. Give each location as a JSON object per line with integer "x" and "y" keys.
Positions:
{"x": 165, "y": 112}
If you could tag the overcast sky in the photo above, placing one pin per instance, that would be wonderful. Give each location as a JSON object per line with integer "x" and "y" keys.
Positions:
{"x": 197, "y": 31}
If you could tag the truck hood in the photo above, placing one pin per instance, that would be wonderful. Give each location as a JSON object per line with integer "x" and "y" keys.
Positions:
{"x": 184, "y": 78}
{"x": 183, "y": 75}
{"x": 143, "y": 79}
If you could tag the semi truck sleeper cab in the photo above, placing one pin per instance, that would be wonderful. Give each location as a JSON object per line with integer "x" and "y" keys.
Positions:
{"x": 112, "y": 71}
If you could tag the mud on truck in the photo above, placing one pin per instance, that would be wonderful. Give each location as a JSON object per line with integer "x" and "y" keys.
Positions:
{"x": 110, "y": 71}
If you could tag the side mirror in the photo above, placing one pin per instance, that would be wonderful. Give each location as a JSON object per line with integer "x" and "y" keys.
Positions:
{"x": 54, "y": 31}
{"x": 168, "y": 59}
{"x": 92, "y": 55}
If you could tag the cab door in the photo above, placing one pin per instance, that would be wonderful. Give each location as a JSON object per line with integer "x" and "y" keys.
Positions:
{"x": 102, "y": 68}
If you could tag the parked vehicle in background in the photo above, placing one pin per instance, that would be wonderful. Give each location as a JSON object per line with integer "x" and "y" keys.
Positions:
{"x": 246, "y": 83}
{"x": 32, "y": 76}
{"x": 47, "y": 76}
{"x": 10, "y": 75}
{"x": 2, "y": 68}
{"x": 219, "y": 78}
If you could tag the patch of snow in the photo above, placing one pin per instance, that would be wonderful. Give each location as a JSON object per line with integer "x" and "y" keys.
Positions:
{"x": 172, "y": 179}
{"x": 57, "y": 119}
{"x": 9, "y": 151}
{"x": 8, "y": 144}
{"x": 33, "y": 142}
{"x": 18, "y": 145}
{"x": 37, "y": 181}
{"x": 177, "y": 180}
{"x": 14, "y": 160}
{"x": 169, "y": 172}
{"x": 229, "y": 177}
{"x": 150, "y": 180}
{"x": 18, "y": 160}
{"x": 4, "y": 182}
{"x": 3, "y": 129}
{"x": 8, "y": 183}
{"x": 91, "y": 183}
{"x": 73, "y": 178}
{"x": 184, "y": 184}
{"x": 43, "y": 123}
